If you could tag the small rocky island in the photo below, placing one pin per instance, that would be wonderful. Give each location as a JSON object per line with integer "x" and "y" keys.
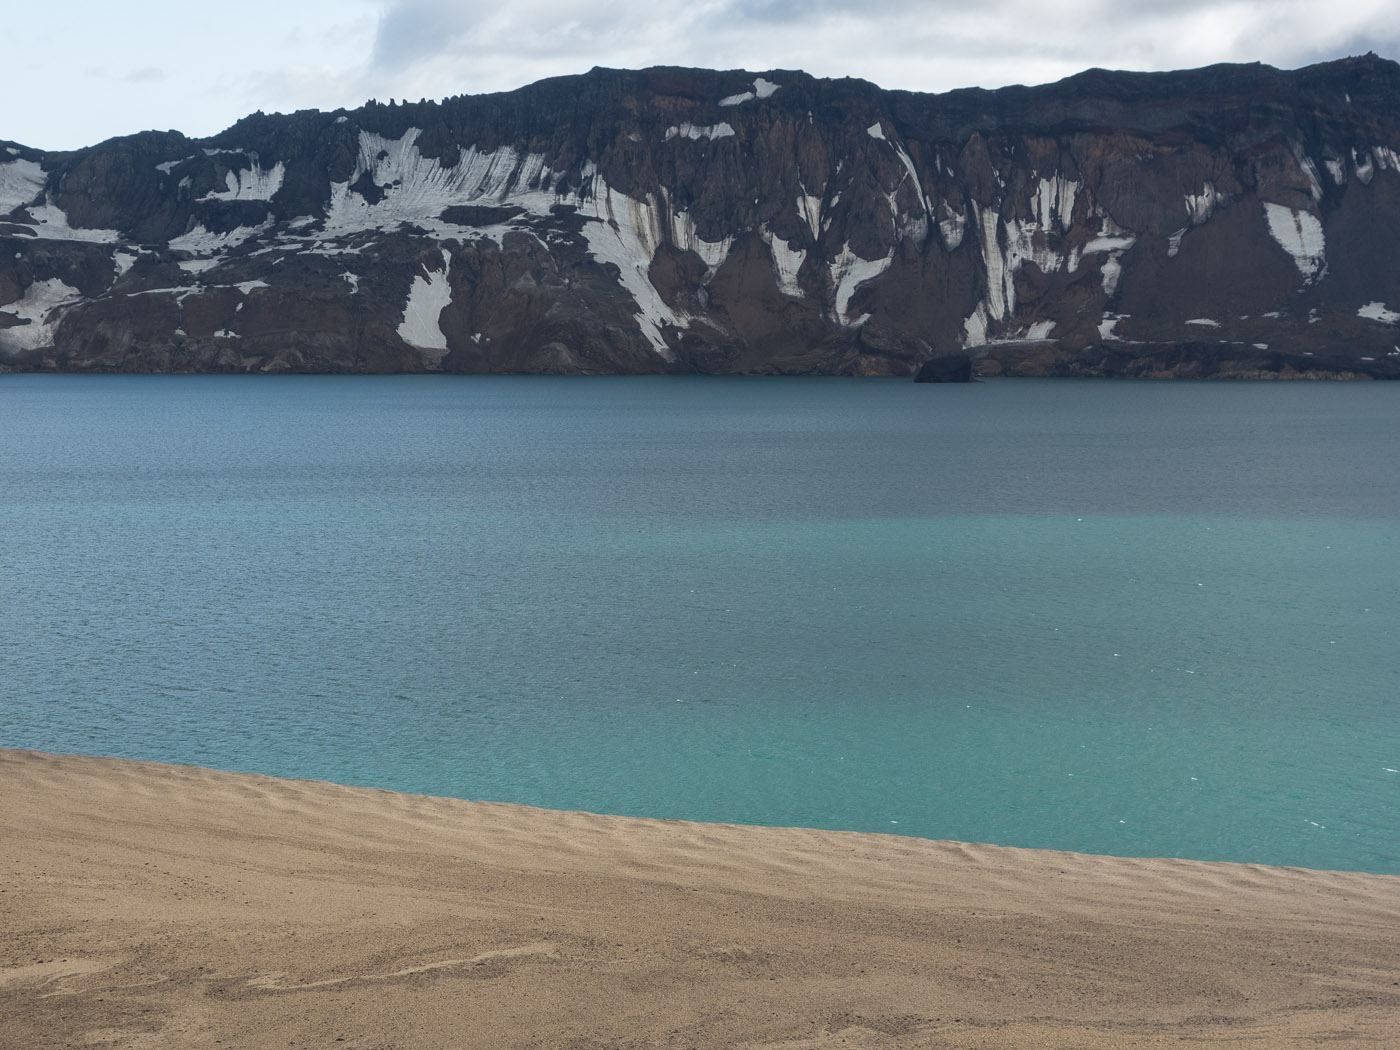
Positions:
{"x": 948, "y": 368}
{"x": 1236, "y": 220}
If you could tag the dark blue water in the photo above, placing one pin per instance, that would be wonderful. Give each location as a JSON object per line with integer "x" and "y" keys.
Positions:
{"x": 1128, "y": 618}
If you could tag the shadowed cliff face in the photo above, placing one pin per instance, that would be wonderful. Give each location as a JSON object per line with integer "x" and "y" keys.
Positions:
{"x": 1234, "y": 220}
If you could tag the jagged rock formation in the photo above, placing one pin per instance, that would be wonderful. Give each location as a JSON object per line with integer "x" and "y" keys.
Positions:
{"x": 1234, "y": 220}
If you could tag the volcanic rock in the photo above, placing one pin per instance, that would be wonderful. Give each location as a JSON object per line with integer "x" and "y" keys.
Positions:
{"x": 1236, "y": 220}
{"x": 949, "y": 368}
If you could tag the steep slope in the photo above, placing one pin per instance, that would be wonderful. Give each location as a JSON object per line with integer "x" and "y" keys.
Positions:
{"x": 1233, "y": 220}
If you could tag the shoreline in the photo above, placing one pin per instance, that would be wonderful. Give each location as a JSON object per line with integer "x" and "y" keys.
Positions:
{"x": 153, "y": 905}
{"x": 529, "y": 808}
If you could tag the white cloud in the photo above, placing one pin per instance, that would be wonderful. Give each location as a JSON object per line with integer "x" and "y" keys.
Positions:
{"x": 139, "y": 76}
{"x": 163, "y": 64}
{"x": 910, "y": 44}
{"x": 106, "y": 69}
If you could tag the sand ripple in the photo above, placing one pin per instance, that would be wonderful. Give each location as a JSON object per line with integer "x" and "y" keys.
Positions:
{"x": 157, "y": 906}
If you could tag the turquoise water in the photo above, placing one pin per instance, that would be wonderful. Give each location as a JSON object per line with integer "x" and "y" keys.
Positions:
{"x": 1130, "y": 618}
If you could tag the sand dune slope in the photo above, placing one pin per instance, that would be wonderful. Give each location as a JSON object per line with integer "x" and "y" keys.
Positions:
{"x": 155, "y": 906}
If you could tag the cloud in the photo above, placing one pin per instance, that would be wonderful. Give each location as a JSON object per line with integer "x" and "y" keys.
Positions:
{"x": 414, "y": 30}
{"x": 331, "y": 53}
{"x": 436, "y": 47}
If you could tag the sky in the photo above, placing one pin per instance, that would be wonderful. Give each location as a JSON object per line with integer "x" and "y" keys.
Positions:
{"x": 117, "y": 68}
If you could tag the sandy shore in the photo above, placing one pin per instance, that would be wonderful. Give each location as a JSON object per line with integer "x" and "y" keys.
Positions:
{"x": 164, "y": 906}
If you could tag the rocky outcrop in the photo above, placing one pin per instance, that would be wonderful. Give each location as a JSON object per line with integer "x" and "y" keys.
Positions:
{"x": 1234, "y": 220}
{"x": 949, "y": 368}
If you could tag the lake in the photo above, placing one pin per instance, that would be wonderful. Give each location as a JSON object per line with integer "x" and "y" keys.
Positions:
{"x": 1135, "y": 618}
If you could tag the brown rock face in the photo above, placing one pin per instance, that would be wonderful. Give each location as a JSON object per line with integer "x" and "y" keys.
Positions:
{"x": 1234, "y": 220}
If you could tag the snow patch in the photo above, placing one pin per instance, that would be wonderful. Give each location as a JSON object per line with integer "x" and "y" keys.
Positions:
{"x": 849, "y": 271}
{"x": 53, "y": 225}
{"x": 876, "y": 132}
{"x": 1007, "y": 244}
{"x": 21, "y": 181}
{"x": 200, "y": 241}
{"x": 910, "y": 173}
{"x": 1174, "y": 242}
{"x": 1309, "y": 169}
{"x": 1364, "y": 171}
{"x": 913, "y": 177}
{"x": 321, "y": 249}
{"x": 626, "y": 232}
{"x": 1204, "y": 322}
{"x": 42, "y": 306}
{"x": 1107, "y": 326}
{"x": 975, "y": 327}
{"x": 1299, "y": 233}
{"x": 1053, "y": 202}
{"x": 1114, "y": 240}
{"x": 416, "y": 189}
{"x": 761, "y": 89}
{"x": 975, "y": 331}
{"x": 1201, "y": 206}
{"x": 952, "y": 226}
{"x": 1114, "y": 243}
{"x": 181, "y": 293}
{"x": 198, "y": 265}
{"x": 1376, "y": 311}
{"x": 428, "y": 296}
{"x": 1001, "y": 285}
{"x": 252, "y": 184}
{"x": 1023, "y": 242}
{"x": 908, "y": 225}
{"x": 810, "y": 209}
{"x": 627, "y": 237}
{"x": 693, "y": 131}
{"x": 1111, "y": 272}
{"x": 787, "y": 261}
{"x": 684, "y": 237}
{"x": 1336, "y": 169}
{"x": 353, "y": 279}
{"x": 123, "y": 261}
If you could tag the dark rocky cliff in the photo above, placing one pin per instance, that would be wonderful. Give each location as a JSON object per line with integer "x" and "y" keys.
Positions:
{"x": 1234, "y": 220}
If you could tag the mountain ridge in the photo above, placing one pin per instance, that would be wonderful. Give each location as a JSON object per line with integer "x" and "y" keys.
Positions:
{"x": 1230, "y": 220}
